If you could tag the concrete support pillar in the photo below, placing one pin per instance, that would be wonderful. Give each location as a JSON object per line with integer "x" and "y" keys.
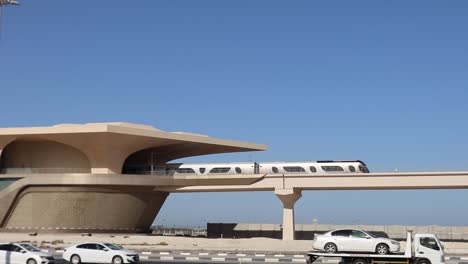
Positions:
{"x": 288, "y": 197}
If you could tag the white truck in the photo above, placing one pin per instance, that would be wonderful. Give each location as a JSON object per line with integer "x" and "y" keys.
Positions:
{"x": 426, "y": 249}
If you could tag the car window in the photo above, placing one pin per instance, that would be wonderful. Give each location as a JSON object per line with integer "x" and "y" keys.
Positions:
{"x": 30, "y": 247}
{"x": 5, "y": 247}
{"x": 342, "y": 233}
{"x": 429, "y": 242}
{"x": 15, "y": 248}
{"x": 87, "y": 246}
{"x": 113, "y": 246}
{"x": 358, "y": 234}
{"x": 100, "y": 247}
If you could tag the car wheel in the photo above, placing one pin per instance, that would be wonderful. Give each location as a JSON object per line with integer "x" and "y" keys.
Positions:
{"x": 31, "y": 261}
{"x": 75, "y": 259}
{"x": 382, "y": 249}
{"x": 117, "y": 260}
{"x": 330, "y": 248}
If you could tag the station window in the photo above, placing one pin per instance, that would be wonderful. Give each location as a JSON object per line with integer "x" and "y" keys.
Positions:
{"x": 294, "y": 169}
{"x": 352, "y": 169}
{"x": 238, "y": 170}
{"x": 275, "y": 170}
{"x": 220, "y": 170}
{"x": 332, "y": 168}
{"x": 313, "y": 169}
{"x": 202, "y": 170}
{"x": 185, "y": 170}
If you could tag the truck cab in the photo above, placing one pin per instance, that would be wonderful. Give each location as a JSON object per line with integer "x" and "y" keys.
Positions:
{"x": 427, "y": 247}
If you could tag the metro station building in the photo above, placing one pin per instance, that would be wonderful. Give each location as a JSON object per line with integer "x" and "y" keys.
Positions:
{"x": 82, "y": 178}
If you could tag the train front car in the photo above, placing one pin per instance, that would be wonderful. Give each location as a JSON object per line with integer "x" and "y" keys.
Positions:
{"x": 343, "y": 166}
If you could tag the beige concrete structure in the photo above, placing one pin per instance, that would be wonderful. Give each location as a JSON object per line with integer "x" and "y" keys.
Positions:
{"x": 94, "y": 194}
{"x": 69, "y": 177}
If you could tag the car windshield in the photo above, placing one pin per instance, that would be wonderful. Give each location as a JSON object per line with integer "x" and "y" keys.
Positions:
{"x": 113, "y": 246}
{"x": 30, "y": 247}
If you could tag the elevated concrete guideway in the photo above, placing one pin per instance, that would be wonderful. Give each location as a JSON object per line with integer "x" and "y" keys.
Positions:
{"x": 288, "y": 187}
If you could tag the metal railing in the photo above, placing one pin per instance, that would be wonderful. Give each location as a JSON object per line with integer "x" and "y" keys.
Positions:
{"x": 197, "y": 232}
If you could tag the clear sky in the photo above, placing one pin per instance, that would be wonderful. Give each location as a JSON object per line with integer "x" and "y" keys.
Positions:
{"x": 381, "y": 81}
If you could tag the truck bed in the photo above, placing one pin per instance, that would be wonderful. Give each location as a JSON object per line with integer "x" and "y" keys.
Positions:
{"x": 314, "y": 255}
{"x": 366, "y": 255}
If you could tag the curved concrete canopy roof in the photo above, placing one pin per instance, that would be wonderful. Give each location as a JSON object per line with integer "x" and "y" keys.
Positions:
{"x": 107, "y": 145}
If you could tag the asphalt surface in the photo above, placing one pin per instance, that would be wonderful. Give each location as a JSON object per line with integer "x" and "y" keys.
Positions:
{"x": 251, "y": 259}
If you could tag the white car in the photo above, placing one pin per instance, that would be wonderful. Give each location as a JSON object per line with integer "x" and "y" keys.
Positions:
{"x": 96, "y": 252}
{"x": 351, "y": 240}
{"x": 23, "y": 253}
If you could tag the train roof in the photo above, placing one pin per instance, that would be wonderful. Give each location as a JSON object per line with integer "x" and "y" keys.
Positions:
{"x": 313, "y": 161}
{"x": 210, "y": 163}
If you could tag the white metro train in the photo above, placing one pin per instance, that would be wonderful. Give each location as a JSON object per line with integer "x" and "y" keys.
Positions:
{"x": 304, "y": 167}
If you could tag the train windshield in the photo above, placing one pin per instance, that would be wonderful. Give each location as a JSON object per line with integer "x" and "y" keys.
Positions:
{"x": 363, "y": 169}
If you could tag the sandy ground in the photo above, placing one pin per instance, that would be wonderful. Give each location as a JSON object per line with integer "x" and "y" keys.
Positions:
{"x": 167, "y": 243}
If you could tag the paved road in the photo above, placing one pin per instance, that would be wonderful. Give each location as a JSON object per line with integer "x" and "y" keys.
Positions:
{"x": 213, "y": 262}
{"x": 238, "y": 257}
{"x": 231, "y": 258}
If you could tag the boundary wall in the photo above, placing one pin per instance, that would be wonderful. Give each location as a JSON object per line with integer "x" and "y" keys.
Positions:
{"x": 306, "y": 232}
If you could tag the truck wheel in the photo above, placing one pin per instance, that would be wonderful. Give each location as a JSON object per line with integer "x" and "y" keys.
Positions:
{"x": 359, "y": 261}
{"x": 330, "y": 248}
{"x": 382, "y": 249}
{"x": 423, "y": 261}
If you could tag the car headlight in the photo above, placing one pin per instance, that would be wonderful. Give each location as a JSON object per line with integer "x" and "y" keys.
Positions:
{"x": 395, "y": 243}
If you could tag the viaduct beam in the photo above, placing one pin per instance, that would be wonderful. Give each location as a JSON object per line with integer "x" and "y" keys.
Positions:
{"x": 288, "y": 188}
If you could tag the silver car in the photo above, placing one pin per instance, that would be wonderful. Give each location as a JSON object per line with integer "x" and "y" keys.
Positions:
{"x": 353, "y": 240}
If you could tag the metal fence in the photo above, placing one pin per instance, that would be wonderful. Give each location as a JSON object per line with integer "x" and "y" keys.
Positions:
{"x": 191, "y": 232}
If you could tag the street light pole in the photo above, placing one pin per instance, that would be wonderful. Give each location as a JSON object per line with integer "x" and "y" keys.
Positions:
{"x": 5, "y": 3}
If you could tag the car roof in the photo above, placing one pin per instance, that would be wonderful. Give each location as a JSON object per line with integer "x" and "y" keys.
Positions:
{"x": 352, "y": 229}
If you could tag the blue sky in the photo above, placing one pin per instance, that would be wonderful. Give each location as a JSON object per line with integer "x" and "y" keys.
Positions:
{"x": 381, "y": 81}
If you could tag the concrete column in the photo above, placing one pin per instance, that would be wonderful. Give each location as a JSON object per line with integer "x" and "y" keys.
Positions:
{"x": 288, "y": 197}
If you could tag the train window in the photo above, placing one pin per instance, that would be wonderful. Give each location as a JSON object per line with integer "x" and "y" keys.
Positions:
{"x": 363, "y": 169}
{"x": 185, "y": 170}
{"x": 332, "y": 168}
{"x": 352, "y": 169}
{"x": 313, "y": 169}
{"x": 294, "y": 169}
{"x": 238, "y": 170}
{"x": 275, "y": 170}
{"x": 202, "y": 170}
{"x": 220, "y": 170}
